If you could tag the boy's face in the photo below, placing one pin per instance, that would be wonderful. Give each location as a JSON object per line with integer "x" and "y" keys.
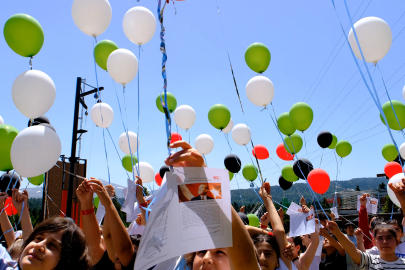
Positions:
{"x": 350, "y": 230}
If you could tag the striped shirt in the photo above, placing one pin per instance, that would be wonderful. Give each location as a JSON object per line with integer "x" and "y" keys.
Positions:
{"x": 369, "y": 261}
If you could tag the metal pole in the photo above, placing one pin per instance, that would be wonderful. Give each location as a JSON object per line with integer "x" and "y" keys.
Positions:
{"x": 73, "y": 158}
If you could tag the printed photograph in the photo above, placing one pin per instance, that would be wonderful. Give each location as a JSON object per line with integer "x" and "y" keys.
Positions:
{"x": 199, "y": 191}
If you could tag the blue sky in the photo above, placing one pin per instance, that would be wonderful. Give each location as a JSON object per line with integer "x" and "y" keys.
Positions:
{"x": 304, "y": 37}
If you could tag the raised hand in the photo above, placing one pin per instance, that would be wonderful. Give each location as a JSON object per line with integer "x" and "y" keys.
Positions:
{"x": 324, "y": 232}
{"x": 265, "y": 219}
{"x": 188, "y": 157}
{"x": 97, "y": 187}
{"x": 140, "y": 220}
{"x": 3, "y": 198}
{"x": 333, "y": 227}
{"x": 359, "y": 235}
{"x": 303, "y": 201}
{"x": 281, "y": 212}
{"x": 263, "y": 192}
{"x": 85, "y": 195}
{"x": 242, "y": 209}
{"x": 363, "y": 199}
{"x": 19, "y": 199}
{"x": 399, "y": 189}
{"x": 110, "y": 190}
{"x": 333, "y": 216}
{"x": 289, "y": 252}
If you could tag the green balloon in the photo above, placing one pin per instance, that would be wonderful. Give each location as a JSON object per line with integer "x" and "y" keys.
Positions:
{"x": 127, "y": 163}
{"x": 171, "y": 102}
{"x": 294, "y": 143}
{"x": 301, "y": 116}
{"x": 334, "y": 142}
{"x": 285, "y": 125}
{"x": 253, "y": 220}
{"x": 23, "y": 34}
{"x": 288, "y": 173}
{"x": 219, "y": 116}
{"x": 96, "y": 201}
{"x": 249, "y": 171}
{"x": 257, "y": 57}
{"x": 343, "y": 148}
{"x": 230, "y": 175}
{"x": 37, "y": 180}
{"x": 102, "y": 50}
{"x": 389, "y": 152}
{"x": 399, "y": 108}
{"x": 7, "y": 135}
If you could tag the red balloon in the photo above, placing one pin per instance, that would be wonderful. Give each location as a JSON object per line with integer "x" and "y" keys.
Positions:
{"x": 283, "y": 154}
{"x": 176, "y": 137}
{"x": 261, "y": 152}
{"x": 319, "y": 181}
{"x": 158, "y": 179}
{"x": 10, "y": 209}
{"x": 392, "y": 168}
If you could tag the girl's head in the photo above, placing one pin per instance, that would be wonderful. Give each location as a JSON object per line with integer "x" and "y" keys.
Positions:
{"x": 385, "y": 238}
{"x": 56, "y": 243}
{"x": 296, "y": 242}
{"x": 399, "y": 229}
{"x": 210, "y": 259}
{"x": 306, "y": 240}
{"x": 268, "y": 251}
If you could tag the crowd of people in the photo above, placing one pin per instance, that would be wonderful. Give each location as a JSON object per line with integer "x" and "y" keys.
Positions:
{"x": 58, "y": 243}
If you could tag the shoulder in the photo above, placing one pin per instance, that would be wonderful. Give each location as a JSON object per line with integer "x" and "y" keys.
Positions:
{"x": 373, "y": 251}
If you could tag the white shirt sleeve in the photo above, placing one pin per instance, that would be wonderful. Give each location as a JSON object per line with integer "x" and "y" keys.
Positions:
{"x": 365, "y": 261}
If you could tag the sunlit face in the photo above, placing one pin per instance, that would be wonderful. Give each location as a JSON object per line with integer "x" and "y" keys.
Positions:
{"x": 211, "y": 259}
{"x": 267, "y": 256}
{"x": 295, "y": 248}
{"x": 117, "y": 263}
{"x": 327, "y": 244}
{"x": 306, "y": 240}
{"x": 398, "y": 230}
{"x": 203, "y": 190}
{"x": 350, "y": 230}
{"x": 43, "y": 253}
{"x": 386, "y": 242}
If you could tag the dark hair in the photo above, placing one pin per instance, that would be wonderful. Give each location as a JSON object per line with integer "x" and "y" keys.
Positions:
{"x": 189, "y": 258}
{"x": 395, "y": 221}
{"x": 323, "y": 216}
{"x": 244, "y": 218}
{"x": 298, "y": 242}
{"x": 74, "y": 252}
{"x": 375, "y": 222}
{"x": 16, "y": 248}
{"x": 270, "y": 239}
{"x": 385, "y": 226}
{"x": 135, "y": 239}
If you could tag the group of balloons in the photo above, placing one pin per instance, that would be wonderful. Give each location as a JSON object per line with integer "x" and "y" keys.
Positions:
{"x": 328, "y": 140}
{"x": 34, "y": 150}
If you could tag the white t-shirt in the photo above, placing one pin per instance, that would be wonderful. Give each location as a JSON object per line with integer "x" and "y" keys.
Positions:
{"x": 6, "y": 263}
{"x": 399, "y": 250}
{"x": 315, "y": 263}
{"x": 284, "y": 267}
{"x": 369, "y": 261}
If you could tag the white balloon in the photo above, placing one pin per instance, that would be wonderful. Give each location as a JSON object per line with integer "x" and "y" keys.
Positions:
{"x": 241, "y": 134}
{"x": 375, "y": 39}
{"x": 92, "y": 17}
{"x": 146, "y": 172}
{"x": 133, "y": 140}
{"x": 1, "y": 120}
{"x": 35, "y": 151}
{"x": 139, "y": 25}
{"x": 102, "y": 115}
{"x": 184, "y": 116}
{"x": 228, "y": 127}
{"x": 122, "y": 66}
{"x": 33, "y": 93}
{"x": 402, "y": 150}
{"x": 204, "y": 144}
{"x": 260, "y": 91}
{"x": 395, "y": 179}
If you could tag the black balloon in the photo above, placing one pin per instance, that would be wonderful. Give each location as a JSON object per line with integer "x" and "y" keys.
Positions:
{"x": 232, "y": 163}
{"x": 163, "y": 170}
{"x": 402, "y": 160}
{"x": 5, "y": 182}
{"x": 39, "y": 120}
{"x": 48, "y": 126}
{"x": 325, "y": 139}
{"x": 304, "y": 165}
{"x": 284, "y": 184}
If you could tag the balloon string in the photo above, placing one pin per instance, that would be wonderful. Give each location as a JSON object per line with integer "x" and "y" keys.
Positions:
{"x": 240, "y": 195}
{"x": 227, "y": 140}
{"x": 275, "y": 162}
{"x": 375, "y": 98}
{"x": 389, "y": 98}
{"x": 137, "y": 141}
{"x": 118, "y": 154}
{"x": 30, "y": 63}
{"x": 125, "y": 129}
{"x": 189, "y": 135}
{"x": 337, "y": 173}
{"x": 305, "y": 143}
{"x": 205, "y": 160}
{"x": 321, "y": 158}
{"x": 275, "y": 117}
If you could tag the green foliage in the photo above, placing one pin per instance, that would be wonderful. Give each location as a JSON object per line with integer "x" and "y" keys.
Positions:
{"x": 387, "y": 207}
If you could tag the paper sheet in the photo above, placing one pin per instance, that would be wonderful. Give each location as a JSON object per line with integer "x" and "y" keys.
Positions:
{"x": 100, "y": 213}
{"x": 301, "y": 223}
{"x": 335, "y": 211}
{"x": 130, "y": 199}
{"x": 320, "y": 245}
{"x": 136, "y": 229}
{"x": 183, "y": 222}
{"x": 372, "y": 204}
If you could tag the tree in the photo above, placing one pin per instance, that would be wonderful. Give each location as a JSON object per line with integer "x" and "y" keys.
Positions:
{"x": 381, "y": 186}
{"x": 387, "y": 207}
{"x": 357, "y": 188}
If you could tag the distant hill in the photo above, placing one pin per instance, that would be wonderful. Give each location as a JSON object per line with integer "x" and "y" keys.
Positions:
{"x": 248, "y": 196}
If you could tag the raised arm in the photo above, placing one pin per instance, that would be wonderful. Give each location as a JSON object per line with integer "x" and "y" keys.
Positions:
{"x": 19, "y": 200}
{"x": 336, "y": 244}
{"x": 281, "y": 214}
{"x": 119, "y": 235}
{"x": 276, "y": 224}
{"x": 363, "y": 222}
{"x": 5, "y": 222}
{"x": 359, "y": 236}
{"x": 90, "y": 225}
{"x": 348, "y": 245}
{"x": 106, "y": 228}
{"x": 305, "y": 259}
